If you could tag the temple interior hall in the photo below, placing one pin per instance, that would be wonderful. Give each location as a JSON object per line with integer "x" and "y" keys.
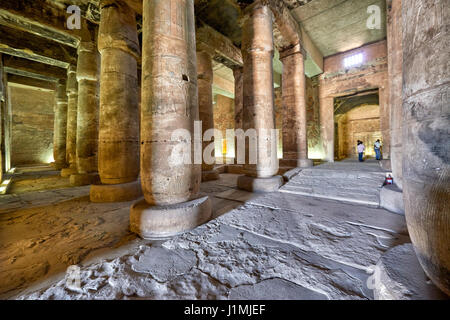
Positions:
{"x": 224, "y": 150}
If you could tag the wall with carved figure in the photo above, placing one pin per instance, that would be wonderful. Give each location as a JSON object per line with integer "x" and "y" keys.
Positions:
{"x": 32, "y": 125}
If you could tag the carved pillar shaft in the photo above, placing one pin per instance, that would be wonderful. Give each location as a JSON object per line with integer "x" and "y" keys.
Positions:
{"x": 72, "y": 106}
{"x": 426, "y": 138}
{"x": 170, "y": 179}
{"x": 60, "y": 126}
{"x": 205, "y": 104}
{"x": 87, "y": 115}
{"x": 118, "y": 159}
{"x": 258, "y": 100}
{"x": 295, "y": 140}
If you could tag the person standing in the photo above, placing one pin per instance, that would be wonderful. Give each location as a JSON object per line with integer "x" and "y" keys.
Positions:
{"x": 377, "y": 147}
{"x": 361, "y": 148}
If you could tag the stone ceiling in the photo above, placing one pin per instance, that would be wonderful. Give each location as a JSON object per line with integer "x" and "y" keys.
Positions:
{"x": 340, "y": 25}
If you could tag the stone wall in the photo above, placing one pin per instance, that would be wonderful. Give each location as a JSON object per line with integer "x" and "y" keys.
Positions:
{"x": 32, "y": 125}
{"x": 338, "y": 81}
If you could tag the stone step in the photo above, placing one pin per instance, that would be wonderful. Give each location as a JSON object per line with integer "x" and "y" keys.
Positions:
{"x": 343, "y": 174}
{"x": 349, "y": 186}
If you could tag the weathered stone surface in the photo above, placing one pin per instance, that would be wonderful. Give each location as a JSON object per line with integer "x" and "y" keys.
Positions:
{"x": 355, "y": 185}
{"x": 426, "y": 114}
{"x": 274, "y": 289}
{"x": 399, "y": 276}
{"x": 165, "y": 265}
{"x": 306, "y": 248}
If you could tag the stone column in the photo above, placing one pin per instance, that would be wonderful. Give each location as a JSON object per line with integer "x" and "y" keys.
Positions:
{"x": 295, "y": 127}
{"x": 395, "y": 62}
{"x": 426, "y": 138}
{"x": 87, "y": 115}
{"x": 72, "y": 106}
{"x": 238, "y": 74}
{"x": 2, "y": 100}
{"x": 118, "y": 159}
{"x": 205, "y": 105}
{"x": 60, "y": 125}
{"x": 170, "y": 180}
{"x": 258, "y": 99}
{"x": 326, "y": 110}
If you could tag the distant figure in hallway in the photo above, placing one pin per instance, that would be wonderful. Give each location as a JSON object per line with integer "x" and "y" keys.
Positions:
{"x": 377, "y": 147}
{"x": 361, "y": 148}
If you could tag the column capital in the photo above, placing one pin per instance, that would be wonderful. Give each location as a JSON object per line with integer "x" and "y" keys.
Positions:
{"x": 257, "y": 30}
{"x": 118, "y": 29}
{"x": 204, "y": 66}
{"x": 296, "y": 49}
{"x": 87, "y": 68}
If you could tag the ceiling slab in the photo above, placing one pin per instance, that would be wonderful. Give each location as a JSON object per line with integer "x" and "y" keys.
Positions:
{"x": 340, "y": 25}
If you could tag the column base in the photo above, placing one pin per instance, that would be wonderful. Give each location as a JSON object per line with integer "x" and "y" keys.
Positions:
{"x": 253, "y": 184}
{"x": 210, "y": 175}
{"x": 67, "y": 172}
{"x": 123, "y": 192}
{"x": 84, "y": 179}
{"x": 399, "y": 276}
{"x": 297, "y": 163}
{"x": 305, "y": 163}
{"x": 162, "y": 222}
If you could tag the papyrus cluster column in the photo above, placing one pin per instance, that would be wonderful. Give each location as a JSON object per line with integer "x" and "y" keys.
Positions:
{"x": 118, "y": 155}
{"x": 170, "y": 180}
{"x": 60, "y": 126}
{"x": 72, "y": 106}
{"x": 87, "y": 115}
{"x": 426, "y": 138}
{"x": 258, "y": 100}
{"x": 205, "y": 104}
{"x": 295, "y": 140}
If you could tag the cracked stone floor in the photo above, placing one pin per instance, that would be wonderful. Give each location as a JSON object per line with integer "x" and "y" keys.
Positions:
{"x": 269, "y": 246}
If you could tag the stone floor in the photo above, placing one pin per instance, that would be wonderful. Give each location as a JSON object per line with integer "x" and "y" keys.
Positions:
{"x": 267, "y": 246}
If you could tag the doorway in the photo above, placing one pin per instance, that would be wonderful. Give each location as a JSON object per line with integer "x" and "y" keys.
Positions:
{"x": 356, "y": 117}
